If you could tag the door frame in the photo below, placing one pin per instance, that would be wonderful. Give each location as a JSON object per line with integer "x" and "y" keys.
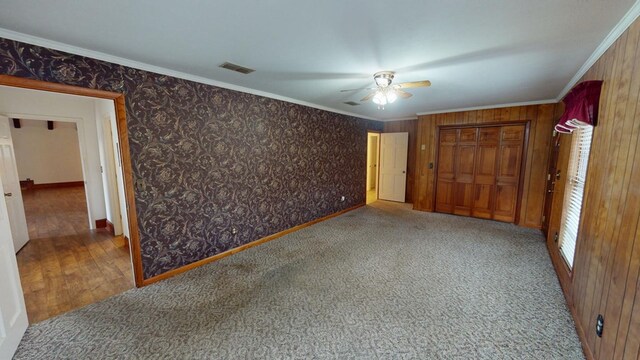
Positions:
{"x": 377, "y": 167}
{"x": 125, "y": 157}
{"x": 525, "y": 146}
{"x": 552, "y": 179}
{"x": 81, "y": 146}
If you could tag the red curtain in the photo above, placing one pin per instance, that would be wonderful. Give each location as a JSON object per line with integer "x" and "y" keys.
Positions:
{"x": 581, "y": 106}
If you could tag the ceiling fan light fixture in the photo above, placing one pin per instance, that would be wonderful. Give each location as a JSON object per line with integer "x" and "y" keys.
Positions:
{"x": 391, "y": 96}
{"x": 379, "y": 98}
{"x": 383, "y": 78}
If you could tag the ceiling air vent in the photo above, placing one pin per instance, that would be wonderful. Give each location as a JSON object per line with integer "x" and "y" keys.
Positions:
{"x": 352, "y": 103}
{"x": 236, "y": 68}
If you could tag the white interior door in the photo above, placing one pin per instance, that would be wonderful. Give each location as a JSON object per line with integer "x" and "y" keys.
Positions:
{"x": 11, "y": 187}
{"x": 393, "y": 166}
{"x": 13, "y": 314}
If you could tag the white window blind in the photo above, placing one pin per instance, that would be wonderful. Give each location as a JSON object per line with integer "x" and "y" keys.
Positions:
{"x": 574, "y": 192}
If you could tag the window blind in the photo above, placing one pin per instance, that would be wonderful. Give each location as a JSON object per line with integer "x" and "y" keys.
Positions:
{"x": 576, "y": 178}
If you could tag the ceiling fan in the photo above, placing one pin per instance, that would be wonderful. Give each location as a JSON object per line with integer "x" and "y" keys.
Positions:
{"x": 384, "y": 93}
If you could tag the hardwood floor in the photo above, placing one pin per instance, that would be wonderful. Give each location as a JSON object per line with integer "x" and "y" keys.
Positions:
{"x": 56, "y": 212}
{"x": 66, "y": 266}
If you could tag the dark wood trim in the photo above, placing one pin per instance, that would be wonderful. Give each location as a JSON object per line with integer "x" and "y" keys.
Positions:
{"x": 479, "y": 125}
{"x": 125, "y": 156}
{"x": 56, "y": 185}
{"x": 101, "y": 223}
{"x": 26, "y": 184}
{"x": 110, "y": 228}
{"x": 523, "y": 165}
{"x": 127, "y": 171}
{"x": 238, "y": 249}
{"x": 24, "y": 83}
{"x": 17, "y": 124}
{"x": 436, "y": 163}
{"x": 565, "y": 280}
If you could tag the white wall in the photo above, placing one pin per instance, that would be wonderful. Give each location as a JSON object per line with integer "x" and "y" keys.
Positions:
{"x": 42, "y": 105}
{"x": 47, "y": 156}
{"x": 105, "y": 116}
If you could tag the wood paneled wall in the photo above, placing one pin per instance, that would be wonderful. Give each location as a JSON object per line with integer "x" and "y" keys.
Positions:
{"x": 605, "y": 276}
{"x": 542, "y": 119}
{"x": 408, "y": 126}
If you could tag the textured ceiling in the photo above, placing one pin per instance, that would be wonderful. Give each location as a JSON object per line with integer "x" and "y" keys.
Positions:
{"x": 476, "y": 53}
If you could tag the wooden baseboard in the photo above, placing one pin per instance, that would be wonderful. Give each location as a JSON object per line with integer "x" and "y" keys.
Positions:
{"x": 26, "y": 184}
{"x": 101, "y": 223}
{"x": 238, "y": 249}
{"x": 565, "y": 284}
{"x": 110, "y": 228}
{"x": 56, "y": 185}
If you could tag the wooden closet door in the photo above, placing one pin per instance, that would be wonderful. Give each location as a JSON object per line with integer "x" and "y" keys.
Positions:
{"x": 446, "y": 170}
{"x": 464, "y": 170}
{"x": 485, "y": 172}
{"x": 508, "y": 175}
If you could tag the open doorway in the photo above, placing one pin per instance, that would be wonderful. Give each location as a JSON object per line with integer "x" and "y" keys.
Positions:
{"x": 373, "y": 158}
{"x": 77, "y": 250}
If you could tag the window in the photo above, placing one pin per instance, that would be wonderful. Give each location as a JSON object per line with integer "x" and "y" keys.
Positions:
{"x": 576, "y": 177}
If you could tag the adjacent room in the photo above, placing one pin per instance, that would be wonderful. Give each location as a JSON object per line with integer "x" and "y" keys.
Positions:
{"x": 64, "y": 207}
{"x": 420, "y": 180}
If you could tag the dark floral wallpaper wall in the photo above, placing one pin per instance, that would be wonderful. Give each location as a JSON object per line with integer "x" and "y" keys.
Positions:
{"x": 214, "y": 160}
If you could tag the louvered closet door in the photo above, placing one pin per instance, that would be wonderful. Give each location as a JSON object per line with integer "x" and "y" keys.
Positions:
{"x": 508, "y": 175}
{"x": 446, "y": 170}
{"x": 464, "y": 170}
{"x": 485, "y": 172}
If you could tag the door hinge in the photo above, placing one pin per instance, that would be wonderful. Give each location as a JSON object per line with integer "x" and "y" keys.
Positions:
{"x": 548, "y": 176}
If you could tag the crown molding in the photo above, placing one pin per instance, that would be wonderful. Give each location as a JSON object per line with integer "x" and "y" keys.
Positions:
{"x": 38, "y": 41}
{"x": 400, "y": 119}
{"x": 613, "y": 35}
{"x": 484, "y": 107}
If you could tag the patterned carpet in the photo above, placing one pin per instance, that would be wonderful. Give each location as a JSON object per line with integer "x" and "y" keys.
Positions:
{"x": 378, "y": 282}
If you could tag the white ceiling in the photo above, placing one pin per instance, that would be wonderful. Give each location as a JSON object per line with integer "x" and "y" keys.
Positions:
{"x": 476, "y": 53}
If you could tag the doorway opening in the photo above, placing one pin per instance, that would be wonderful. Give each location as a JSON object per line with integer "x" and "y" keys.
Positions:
{"x": 69, "y": 225}
{"x": 373, "y": 158}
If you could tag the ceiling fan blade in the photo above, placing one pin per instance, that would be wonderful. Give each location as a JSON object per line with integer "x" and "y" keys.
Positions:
{"x": 413, "y": 84}
{"x": 361, "y": 89}
{"x": 403, "y": 94}
{"x": 368, "y": 96}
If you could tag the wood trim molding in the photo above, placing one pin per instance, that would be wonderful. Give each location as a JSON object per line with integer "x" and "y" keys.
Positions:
{"x": 564, "y": 278}
{"x": 523, "y": 170}
{"x": 56, "y": 185}
{"x": 25, "y": 83}
{"x": 125, "y": 155}
{"x": 238, "y": 249}
{"x": 110, "y": 228}
{"x": 125, "y": 158}
{"x": 101, "y": 223}
{"x": 479, "y": 125}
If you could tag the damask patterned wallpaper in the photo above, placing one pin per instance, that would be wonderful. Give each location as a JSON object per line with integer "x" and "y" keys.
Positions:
{"x": 213, "y": 159}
